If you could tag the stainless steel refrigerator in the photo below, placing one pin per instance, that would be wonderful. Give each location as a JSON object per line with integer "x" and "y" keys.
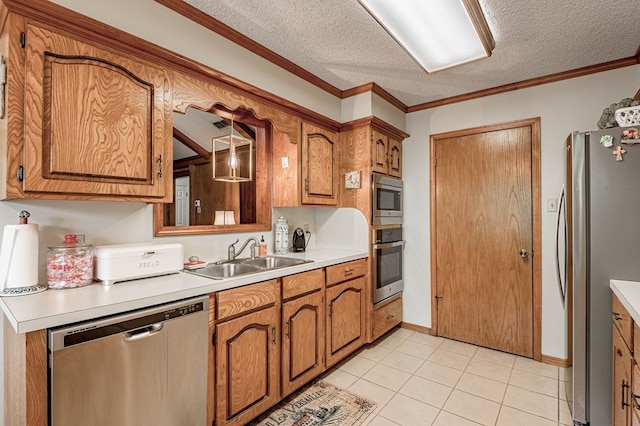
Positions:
{"x": 602, "y": 234}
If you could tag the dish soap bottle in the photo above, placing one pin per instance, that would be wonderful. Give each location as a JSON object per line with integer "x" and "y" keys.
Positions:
{"x": 262, "y": 247}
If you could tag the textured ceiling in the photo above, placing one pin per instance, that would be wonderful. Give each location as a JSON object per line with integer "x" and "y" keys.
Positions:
{"x": 339, "y": 42}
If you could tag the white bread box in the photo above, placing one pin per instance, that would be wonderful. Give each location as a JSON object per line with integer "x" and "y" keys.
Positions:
{"x": 114, "y": 263}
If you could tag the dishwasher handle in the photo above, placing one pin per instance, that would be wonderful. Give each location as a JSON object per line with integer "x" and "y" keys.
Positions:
{"x": 142, "y": 333}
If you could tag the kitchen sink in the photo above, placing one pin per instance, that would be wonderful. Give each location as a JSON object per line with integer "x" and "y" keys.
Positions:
{"x": 232, "y": 268}
{"x": 274, "y": 262}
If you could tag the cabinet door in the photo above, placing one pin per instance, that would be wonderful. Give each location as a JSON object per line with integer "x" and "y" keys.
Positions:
{"x": 379, "y": 152}
{"x": 345, "y": 319}
{"x": 621, "y": 386}
{"x": 319, "y": 165}
{"x": 98, "y": 123}
{"x": 247, "y": 366}
{"x": 302, "y": 341}
{"x": 395, "y": 158}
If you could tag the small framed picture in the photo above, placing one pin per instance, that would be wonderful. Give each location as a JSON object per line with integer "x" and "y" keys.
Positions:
{"x": 352, "y": 180}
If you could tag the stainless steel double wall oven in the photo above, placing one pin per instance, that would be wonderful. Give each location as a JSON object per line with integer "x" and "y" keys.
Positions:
{"x": 387, "y": 238}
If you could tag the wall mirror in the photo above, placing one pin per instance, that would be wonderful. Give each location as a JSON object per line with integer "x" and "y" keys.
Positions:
{"x": 201, "y": 204}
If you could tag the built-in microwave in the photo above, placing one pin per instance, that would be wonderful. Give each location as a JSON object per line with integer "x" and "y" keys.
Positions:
{"x": 387, "y": 200}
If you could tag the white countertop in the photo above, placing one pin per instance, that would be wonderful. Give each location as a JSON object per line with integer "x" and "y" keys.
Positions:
{"x": 629, "y": 294}
{"x": 52, "y": 308}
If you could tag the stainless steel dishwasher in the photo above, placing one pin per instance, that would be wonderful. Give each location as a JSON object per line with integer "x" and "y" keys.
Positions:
{"x": 147, "y": 367}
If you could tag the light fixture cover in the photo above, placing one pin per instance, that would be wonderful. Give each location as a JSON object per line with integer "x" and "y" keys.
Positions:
{"x": 438, "y": 34}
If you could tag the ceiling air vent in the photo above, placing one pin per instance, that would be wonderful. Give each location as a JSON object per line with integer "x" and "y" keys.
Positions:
{"x": 221, "y": 124}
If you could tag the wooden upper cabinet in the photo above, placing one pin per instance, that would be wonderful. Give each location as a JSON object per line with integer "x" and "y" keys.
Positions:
{"x": 386, "y": 154}
{"x": 320, "y": 167}
{"x": 96, "y": 122}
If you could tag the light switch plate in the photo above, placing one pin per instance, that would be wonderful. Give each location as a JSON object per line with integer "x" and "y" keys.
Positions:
{"x": 285, "y": 162}
{"x": 552, "y": 205}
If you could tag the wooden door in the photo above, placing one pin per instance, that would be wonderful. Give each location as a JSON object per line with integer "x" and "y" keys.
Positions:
{"x": 379, "y": 152}
{"x": 302, "y": 341}
{"x": 345, "y": 319}
{"x": 247, "y": 366}
{"x": 395, "y": 158}
{"x": 483, "y": 219}
{"x": 98, "y": 121}
{"x": 319, "y": 165}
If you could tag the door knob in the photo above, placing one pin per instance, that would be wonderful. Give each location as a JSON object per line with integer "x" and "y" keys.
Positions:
{"x": 524, "y": 253}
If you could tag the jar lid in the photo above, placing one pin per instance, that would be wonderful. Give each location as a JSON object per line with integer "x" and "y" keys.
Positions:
{"x": 72, "y": 241}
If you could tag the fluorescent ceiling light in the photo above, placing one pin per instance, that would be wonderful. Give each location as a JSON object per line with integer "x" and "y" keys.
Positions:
{"x": 438, "y": 34}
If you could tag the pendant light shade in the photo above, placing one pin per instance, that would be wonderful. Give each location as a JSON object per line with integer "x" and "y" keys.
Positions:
{"x": 227, "y": 154}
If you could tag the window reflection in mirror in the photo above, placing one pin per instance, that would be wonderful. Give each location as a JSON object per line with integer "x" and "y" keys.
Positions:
{"x": 199, "y": 200}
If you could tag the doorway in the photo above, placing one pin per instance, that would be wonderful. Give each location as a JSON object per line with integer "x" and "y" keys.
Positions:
{"x": 485, "y": 245}
{"x": 182, "y": 201}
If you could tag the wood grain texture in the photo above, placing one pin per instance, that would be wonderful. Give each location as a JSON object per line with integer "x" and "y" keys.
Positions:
{"x": 379, "y": 152}
{"x": 346, "y": 271}
{"x": 211, "y": 370}
{"x": 241, "y": 300}
{"x": 88, "y": 102}
{"x": 303, "y": 283}
{"x": 621, "y": 377}
{"x": 345, "y": 326}
{"x": 623, "y": 322}
{"x": 484, "y": 218}
{"x": 287, "y": 189}
{"x": 247, "y": 366}
{"x": 320, "y": 165}
{"x": 386, "y": 315}
{"x": 395, "y": 158}
{"x": 36, "y": 378}
{"x": 303, "y": 321}
{"x": 355, "y": 146}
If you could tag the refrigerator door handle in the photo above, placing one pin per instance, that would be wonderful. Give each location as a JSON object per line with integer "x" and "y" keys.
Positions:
{"x": 561, "y": 283}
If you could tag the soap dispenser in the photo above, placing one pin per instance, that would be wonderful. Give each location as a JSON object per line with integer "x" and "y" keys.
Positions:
{"x": 262, "y": 247}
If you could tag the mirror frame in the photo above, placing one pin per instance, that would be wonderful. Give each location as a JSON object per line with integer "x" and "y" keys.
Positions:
{"x": 188, "y": 91}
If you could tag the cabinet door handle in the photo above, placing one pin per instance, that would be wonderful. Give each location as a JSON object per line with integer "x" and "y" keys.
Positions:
{"x": 390, "y": 316}
{"x": 288, "y": 325}
{"x": 616, "y": 316}
{"x": 273, "y": 335}
{"x": 623, "y": 385}
{"x": 634, "y": 398}
{"x": 348, "y": 271}
{"x": 618, "y": 352}
{"x": 159, "y": 165}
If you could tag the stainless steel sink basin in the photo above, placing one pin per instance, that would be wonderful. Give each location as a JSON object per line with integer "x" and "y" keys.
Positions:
{"x": 226, "y": 270}
{"x": 274, "y": 262}
{"x": 232, "y": 268}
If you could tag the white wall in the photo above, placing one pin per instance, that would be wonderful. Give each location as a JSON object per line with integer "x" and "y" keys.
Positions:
{"x": 563, "y": 107}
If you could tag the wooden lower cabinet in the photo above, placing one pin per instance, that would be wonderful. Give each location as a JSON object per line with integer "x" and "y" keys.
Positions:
{"x": 247, "y": 366}
{"x": 345, "y": 304}
{"x": 302, "y": 340}
{"x": 621, "y": 385}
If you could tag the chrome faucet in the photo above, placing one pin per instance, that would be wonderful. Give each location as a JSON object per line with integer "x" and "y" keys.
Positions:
{"x": 231, "y": 252}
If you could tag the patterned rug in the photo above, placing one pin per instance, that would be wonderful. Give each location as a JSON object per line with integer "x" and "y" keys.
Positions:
{"x": 319, "y": 404}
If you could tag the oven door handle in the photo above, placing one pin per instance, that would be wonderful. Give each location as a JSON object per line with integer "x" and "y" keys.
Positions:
{"x": 388, "y": 245}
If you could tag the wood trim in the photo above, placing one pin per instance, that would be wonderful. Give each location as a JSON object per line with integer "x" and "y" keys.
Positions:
{"x": 377, "y": 123}
{"x": 524, "y": 84}
{"x": 36, "y": 375}
{"x": 558, "y": 362}
{"x": 211, "y": 357}
{"x": 418, "y": 328}
{"x": 536, "y": 226}
{"x": 374, "y": 88}
{"x": 191, "y": 144}
{"x": 240, "y": 39}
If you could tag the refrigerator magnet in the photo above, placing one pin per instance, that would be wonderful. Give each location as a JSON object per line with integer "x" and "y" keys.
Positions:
{"x": 619, "y": 152}
{"x": 606, "y": 141}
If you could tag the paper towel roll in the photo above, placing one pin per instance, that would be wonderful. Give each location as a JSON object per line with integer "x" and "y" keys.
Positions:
{"x": 19, "y": 256}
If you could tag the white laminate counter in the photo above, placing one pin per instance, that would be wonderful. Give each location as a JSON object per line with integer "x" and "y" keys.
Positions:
{"x": 629, "y": 294}
{"x": 52, "y": 308}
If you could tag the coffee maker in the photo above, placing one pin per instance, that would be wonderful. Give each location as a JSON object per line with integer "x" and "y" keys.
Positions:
{"x": 299, "y": 240}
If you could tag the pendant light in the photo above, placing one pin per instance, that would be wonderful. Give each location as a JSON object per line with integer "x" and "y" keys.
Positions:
{"x": 232, "y": 169}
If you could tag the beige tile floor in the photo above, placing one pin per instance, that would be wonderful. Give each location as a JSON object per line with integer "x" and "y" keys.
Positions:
{"x": 418, "y": 379}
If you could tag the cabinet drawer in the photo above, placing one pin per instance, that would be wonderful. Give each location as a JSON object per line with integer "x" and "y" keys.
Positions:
{"x": 386, "y": 317}
{"x": 246, "y": 299}
{"x": 623, "y": 321}
{"x": 346, "y": 271}
{"x": 298, "y": 284}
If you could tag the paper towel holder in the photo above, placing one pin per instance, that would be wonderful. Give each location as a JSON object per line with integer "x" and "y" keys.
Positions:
{"x": 7, "y": 244}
